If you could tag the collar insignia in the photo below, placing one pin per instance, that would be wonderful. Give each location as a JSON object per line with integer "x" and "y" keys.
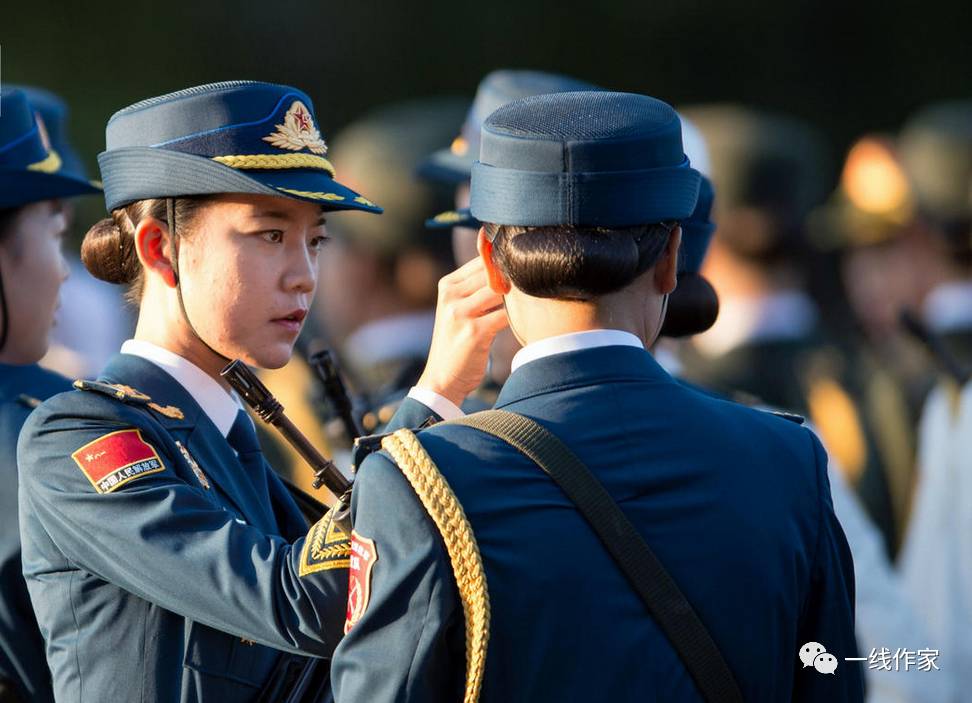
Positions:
{"x": 200, "y": 476}
{"x": 297, "y": 131}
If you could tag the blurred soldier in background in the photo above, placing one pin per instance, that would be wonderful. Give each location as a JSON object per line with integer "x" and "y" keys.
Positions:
{"x": 884, "y": 264}
{"x": 452, "y": 167}
{"x": 33, "y": 185}
{"x": 883, "y": 611}
{"x": 768, "y": 342}
{"x": 93, "y": 319}
{"x": 936, "y": 148}
{"x": 376, "y": 298}
{"x": 884, "y": 269}
{"x": 692, "y": 307}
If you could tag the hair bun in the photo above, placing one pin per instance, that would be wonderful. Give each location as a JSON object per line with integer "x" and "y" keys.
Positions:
{"x": 107, "y": 253}
{"x": 692, "y": 308}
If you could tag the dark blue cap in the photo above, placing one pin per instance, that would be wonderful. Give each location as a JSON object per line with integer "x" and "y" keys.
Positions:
{"x": 54, "y": 111}
{"x": 454, "y": 164}
{"x": 595, "y": 159}
{"x": 233, "y": 137}
{"x": 31, "y": 169}
{"x": 697, "y": 230}
{"x": 462, "y": 217}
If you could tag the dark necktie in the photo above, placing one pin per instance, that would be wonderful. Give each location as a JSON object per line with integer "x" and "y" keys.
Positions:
{"x": 243, "y": 438}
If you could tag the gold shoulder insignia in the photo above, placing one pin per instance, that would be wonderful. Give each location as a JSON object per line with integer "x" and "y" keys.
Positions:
{"x": 129, "y": 392}
{"x": 115, "y": 390}
{"x": 169, "y": 411}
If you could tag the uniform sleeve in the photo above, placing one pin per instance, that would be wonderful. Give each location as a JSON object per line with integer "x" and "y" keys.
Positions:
{"x": 408, "y": 643}
{"x": 412, "y": 414}
{"x": 828, "y": 614}
{"x": 162, "y": 539}
{"x": 23, "y": 664}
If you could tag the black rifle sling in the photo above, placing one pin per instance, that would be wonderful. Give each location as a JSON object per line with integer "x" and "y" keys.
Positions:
{"x": 662, "y": 596}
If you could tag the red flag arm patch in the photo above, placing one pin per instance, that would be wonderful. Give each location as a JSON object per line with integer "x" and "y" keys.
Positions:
{"x": 364, "y": 554}
{"x": 117, "y": 458}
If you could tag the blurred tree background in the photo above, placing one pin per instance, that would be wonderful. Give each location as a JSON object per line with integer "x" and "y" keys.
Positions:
{"x": 847, "y": 67}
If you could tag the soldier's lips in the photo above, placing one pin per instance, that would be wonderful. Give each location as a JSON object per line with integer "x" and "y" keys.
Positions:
{"x": 292, "y": 321}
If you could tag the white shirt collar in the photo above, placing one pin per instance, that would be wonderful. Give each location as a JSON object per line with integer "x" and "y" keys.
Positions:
{"x": 215, "y": 401}
{"x": 574, "y": 341}
{"x": 949, "y": 307}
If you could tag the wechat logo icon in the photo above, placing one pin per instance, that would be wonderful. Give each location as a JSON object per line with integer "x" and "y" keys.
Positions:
{"x": 815, "y": 654}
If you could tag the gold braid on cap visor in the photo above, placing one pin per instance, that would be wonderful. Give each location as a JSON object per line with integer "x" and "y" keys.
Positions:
{"x": 245, "y": 162}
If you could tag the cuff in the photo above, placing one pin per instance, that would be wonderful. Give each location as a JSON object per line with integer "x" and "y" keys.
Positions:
{"x": 443, "y": 407}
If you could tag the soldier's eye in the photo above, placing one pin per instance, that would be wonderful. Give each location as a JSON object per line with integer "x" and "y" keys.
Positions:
{"x": 317, "y": 243}
{"x": 275, "y": 236}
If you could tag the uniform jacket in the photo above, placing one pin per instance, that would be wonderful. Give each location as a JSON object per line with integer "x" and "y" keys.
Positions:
{"x": 735, "y": 502}
{"x": 22, "y": 661}
{"x": 180, "y": 583}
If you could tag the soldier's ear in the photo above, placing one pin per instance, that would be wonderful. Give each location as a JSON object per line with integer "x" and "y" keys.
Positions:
{"x": 154, "y": 247}
{"x": 498, "y": 282}
{"x": 666, "y": 268}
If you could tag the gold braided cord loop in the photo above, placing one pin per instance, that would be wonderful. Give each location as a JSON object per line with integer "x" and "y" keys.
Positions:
{"x": 467, "y": 563}
{"x": 276, "y": 161}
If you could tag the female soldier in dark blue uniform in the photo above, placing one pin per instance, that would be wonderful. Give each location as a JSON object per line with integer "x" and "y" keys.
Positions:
{"x": 33, "y": 183}
{"x": 165, "y": 560}
{"x": 581, "y": 194}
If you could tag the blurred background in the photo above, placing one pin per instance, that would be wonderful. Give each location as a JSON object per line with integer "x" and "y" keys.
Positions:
{"x": 840, "y": 202}
{"x": 848, "y": 68}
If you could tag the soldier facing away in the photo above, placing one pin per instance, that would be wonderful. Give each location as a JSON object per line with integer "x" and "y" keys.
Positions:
{"x": 581, "y": 194}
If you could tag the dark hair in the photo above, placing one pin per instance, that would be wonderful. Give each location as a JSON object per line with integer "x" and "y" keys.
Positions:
{"x": 7, "y": 217}
{"x": 576, "y": 263}
{"x": 108, "y": 249}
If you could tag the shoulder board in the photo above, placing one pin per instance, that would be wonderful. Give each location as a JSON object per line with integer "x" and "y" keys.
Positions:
{"x": 363, "y": 447}
{"x": 752, "y": 401}
{"x": 792, "y": 417}
{"x": 117, "y": 391}
{"x": 129, "y": 395}
{"x": 28, "y": 401}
